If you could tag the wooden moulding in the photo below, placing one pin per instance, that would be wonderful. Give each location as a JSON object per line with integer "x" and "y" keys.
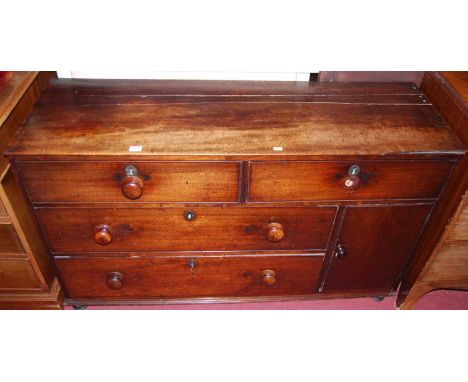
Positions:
{"x": 42, "y": 291}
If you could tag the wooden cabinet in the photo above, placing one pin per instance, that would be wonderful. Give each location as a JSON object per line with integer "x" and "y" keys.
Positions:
{"x": 373, "y": 244}
{"x": 26, "y": 277}
{"x": 170, "y": 191}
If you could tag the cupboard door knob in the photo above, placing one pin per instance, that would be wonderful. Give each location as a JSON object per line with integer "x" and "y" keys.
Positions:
{"x": 115, "y": 280}
{"x": 340, "y": 250}
{"x": 275, "y": 232}
{"x": 351, "y": 182}
{"x": 269, "y": 277}
{"x": 103, "y": 234}
{"x": 132, "y": 185}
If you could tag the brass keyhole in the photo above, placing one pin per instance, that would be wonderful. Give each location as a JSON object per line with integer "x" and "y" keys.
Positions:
{"x": 190, "y": 215}
{"x": 192, "y": 263}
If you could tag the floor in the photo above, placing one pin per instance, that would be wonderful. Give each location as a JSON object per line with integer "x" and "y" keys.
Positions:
{"x": 436, "y": 300}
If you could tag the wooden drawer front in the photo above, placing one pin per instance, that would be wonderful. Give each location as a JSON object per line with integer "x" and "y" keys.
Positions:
{"x": 176, "y": 278}
{"x": 302, "y": 181}
{"x": 102, "y": 181}
{"x": 17, "y": 274}
{"x": 9, "y": 241}
{"x": 167, "y": 229}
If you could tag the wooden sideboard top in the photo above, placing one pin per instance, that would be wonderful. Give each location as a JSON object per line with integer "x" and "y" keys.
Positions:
{"x": 231, "y": 119}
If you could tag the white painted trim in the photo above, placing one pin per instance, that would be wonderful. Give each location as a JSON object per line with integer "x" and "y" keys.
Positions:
{"x": 226, "y": 76}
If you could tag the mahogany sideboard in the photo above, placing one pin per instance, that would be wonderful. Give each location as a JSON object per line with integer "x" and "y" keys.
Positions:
{"x": 202, "y": 191}
{"x": 27, "y": 280}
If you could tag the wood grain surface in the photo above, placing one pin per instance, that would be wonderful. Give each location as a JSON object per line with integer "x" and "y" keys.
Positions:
{"x": 222, "y": 128}
{"x": 173, "y": 277}
{"x": 166, "y": 229}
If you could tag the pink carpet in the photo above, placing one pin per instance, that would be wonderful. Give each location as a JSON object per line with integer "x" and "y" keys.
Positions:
{"x": 440, "y": 299}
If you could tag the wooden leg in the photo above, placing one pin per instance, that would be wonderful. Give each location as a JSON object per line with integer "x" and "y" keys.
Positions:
{"x": 419, "y": 289}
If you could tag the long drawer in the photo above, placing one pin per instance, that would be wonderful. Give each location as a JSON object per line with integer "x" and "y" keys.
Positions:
{"x": 304, "y": 181}
{"x": 189, "y": 277}
{"x": 184, "y": 229}
{"x": 135, "y": 181}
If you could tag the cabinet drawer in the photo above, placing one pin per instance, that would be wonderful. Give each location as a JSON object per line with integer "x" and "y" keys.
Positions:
{"x": 170, "y": 229}
{"x": 9, "y": 241}
{"x": 302, "y": 181}
{"x": 125, "y": 182}
{"x": 16, "y": 274}
{"x": 180, "y": 277}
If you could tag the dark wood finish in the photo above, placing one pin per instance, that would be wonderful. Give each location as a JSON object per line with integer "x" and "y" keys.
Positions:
{"x": 373, "y": 245}
{"x": 223, "y": 129}
{"x": 372, "y": 76}
{"x": 102, "y": 181}
{"x": 172, "y": 277}
{"x": 165, "y": 229}
{"x": 443, "y": 263}
{"x": 301, "y": 181}
{"x": 312, "y": 189}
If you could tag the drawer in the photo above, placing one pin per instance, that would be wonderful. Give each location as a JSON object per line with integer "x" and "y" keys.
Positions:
{"x": 136, "y": 181}
{"x": 17, "y": 274}
{"x": 9, "y": 241}
{"x": 180, "y": 277}
{"x": 302, "y": 181}
{"x": 183, "y": 229}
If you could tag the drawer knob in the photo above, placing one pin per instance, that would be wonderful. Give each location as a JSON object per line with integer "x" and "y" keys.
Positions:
{"x": 102, "y": 234}
{"x": 340, "y": 250}
{"x": 275, "y": 232}
{"x": 132, "y": 184}
{"x": 269, "y": 277}
{"x": 115, "y": 280}
{"x": 352, "y": 180}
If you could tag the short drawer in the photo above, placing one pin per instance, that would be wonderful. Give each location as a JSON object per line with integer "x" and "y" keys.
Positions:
{"x": 184, "y": 277}
{"x": 17, "y": 274}
{"x": 131, "y": 182}
{"x": 185, "y": 229}
{"x": 303, "y": 181}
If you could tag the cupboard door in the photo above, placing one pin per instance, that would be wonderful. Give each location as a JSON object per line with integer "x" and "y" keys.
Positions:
{"x": 373, "y": 245}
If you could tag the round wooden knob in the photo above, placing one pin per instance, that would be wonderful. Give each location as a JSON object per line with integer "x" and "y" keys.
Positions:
{"x": 275, "y": 232}
{"x": 115, "y": 280}
{"x": 132, "y": 187}
{"x": 269, "y": 277}
{"x": 103, "y": 234}
{"x": 351, "y": 182}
